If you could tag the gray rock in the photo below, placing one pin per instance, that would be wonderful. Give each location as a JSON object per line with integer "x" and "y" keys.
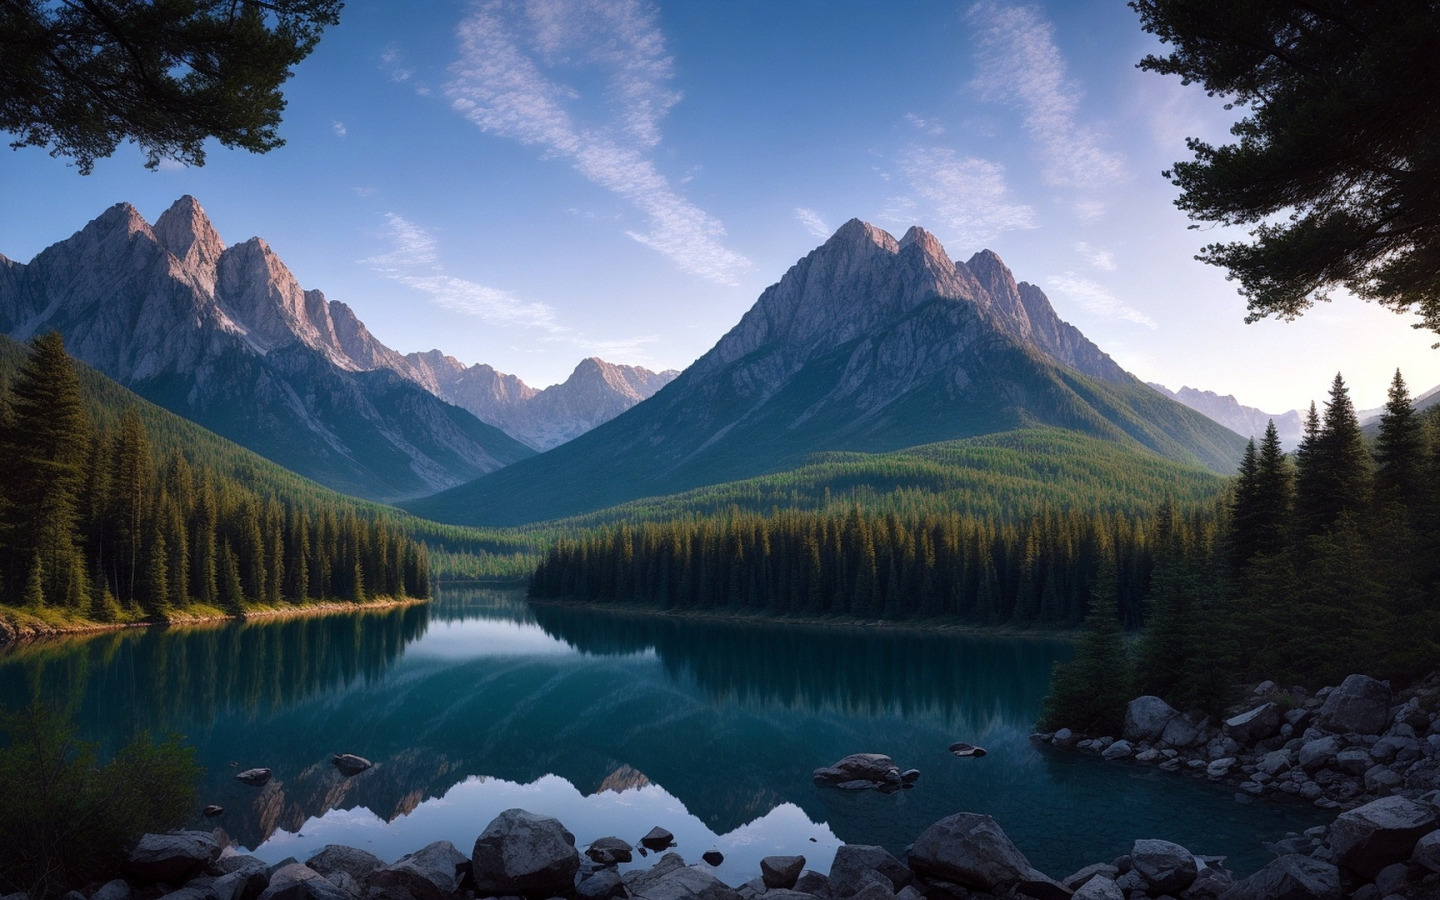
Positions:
{"x": 657, "y": 839}
{"x": 784, "y": 894}
{"x": 1276, "y": 762}
{"x": 876, "y": 768}
{"x": 1063, "y": 738}
{"x": 971, "y": 850}
{"x": 1221, "y": 767}
{"x": 812, "y": 882}
{"x": 349, "y": 764}
{"x": 1353, "y": 760}
{"x": 345, "y": 882}
{"x": 295, "y": 881}
{"x": 1426, "y": 852}
{"x": 522, "y": 853}
{"x": 1382, "y": 780}
{"x": 1180, "y": 732}
{"x": 1360, "y": 705}
{"x": 781, "y": 871}
{"x": 1167, "y": 867}
{"x": 118, "y": 889}
{"x": 1319, "y": 753}
{"x": 171, "y": 858}
{"x": 1079, "y": 878}
{"x": 1146, "y": 718}
{"x": 231, "y": 886}
{"x": 683, "y": 883}
{"x": 1121, "y": 749}
{"x": 254, "y": 777}
{"x": 603, "y": 884}
{"x": 1292, "y": 877}
{"x": 909, "y": 892}
{"x": 1371, "y": 837}
{"x": 1099, "y": 887}
{"x": 338, "y": 858}
{"x": 960, "y": 748}
{"x": 853, "y": 867}
{"x": 713, "y": 857}
{"x": 434, "y": 872}
{"x": 1392, "y": 879}
{"x": 609, "y": 851}
{"x": 1252, "y": 727}
{"x": 639, "y": 879}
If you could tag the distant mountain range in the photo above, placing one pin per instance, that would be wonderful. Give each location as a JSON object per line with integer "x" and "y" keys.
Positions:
{"x": 868, "y": 344}
{"x": 226, "y": 337}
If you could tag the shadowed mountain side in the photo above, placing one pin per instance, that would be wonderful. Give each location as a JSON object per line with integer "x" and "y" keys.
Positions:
{"x": 867, "y": 344}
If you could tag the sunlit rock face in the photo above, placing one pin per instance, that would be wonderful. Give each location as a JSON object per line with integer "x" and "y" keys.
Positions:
{"x": 227, "y": 337}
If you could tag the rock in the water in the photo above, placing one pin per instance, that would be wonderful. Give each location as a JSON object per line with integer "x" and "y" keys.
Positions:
{"x": 433, "y": 872}
{"x": 171, "y": 858}
{"x": 212, "y": 811}
{"x": 295, "y": 881}
{"x": 349, "y": 764}
{"x": 875, "y": 768}
{"x": 713, "y": 857}
{"x": 254, "y": 777}
{"x": 1250, "y": 728}
{"x": 522, "y": 853}
{"x": 1121, "y": 749}
{"x": 602, "y": 885}
{"x": 1146, "y": 718}
{"x": 1167, "y": 868}
{"x": 1370, "y": 837}
{"x": 1360, "y": 705}
{"x": 1099, "y": 887}
{"x": 338, "y": 858}
{"x": 960, "y": 748}
{"x": 910, "y": 776}
{"x": 1291, "y": 877}
{"x": 657, "y": 839}
{"x": 971, "y": 850}
{"x": 608, "y": 851}
{"x": 781, "y": 871}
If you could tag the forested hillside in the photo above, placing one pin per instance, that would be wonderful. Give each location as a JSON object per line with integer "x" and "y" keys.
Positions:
{"x": 114, "y": 510}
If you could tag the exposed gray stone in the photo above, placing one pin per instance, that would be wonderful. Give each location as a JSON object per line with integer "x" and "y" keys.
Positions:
{"x": 812, "y": 882}
{"x": 520, "y": 852}
{"x": 639, "y": 879}
{"x": 1099, "y": 888}
{"x": 781, "y": 871}
{"x": 296, "y": 881}
{"x": 1381, "y": 780}
{"x": 434, "y": 872}
{"x": 657, "y": 839}
{"x": 254, "y": 777}
{"x": 1079, "y": 878}
{"x": 1146, "y": 718}
{"x": 603, "y": 884}
{"x": 1354, "y": 760}
{"x": 1319, "y": 753}
{"x": 1291, "y": 877}
{"x": 853, "y": 863}
{"x": 1276, "y": 762}
{"x": 1253, "y": 726}
{"x": 342, "y": 880}
{"x": 1121, "y": 749}
{"x": 1360, "y": 705}
{"x": 876, "y": 768}
{"x": 1221, "y": 767}
{"x": 713, "y": 857}
{"x": 338, "y": 858}
{"x": 171, "y": 858}
{"x": 971, "y": 850}
{"x": 1371, "y": 837}
{"x": 1180, "y": 732}
{"x": 1426, "y": 852}
{"x": 348, "y": 764}
{"x": 1167, "y": 867}
{"x": 683, "y": 883}
{"x": 609, "y": 851}
{"x": 118, "y": 889}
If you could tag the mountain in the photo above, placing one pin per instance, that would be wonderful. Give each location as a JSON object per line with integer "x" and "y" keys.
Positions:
{"x": 867, "y": 344}
{"x": 226, "y": 337}
{"x": 595, "y": 393}
{"x": 1243, "y": 420}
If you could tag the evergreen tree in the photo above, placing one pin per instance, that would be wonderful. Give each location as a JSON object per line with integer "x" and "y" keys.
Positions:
{"x": 1272, "y": 497}
{"x": 1400, "y": 450}
{"x": 1089, "y": 693}
{"x": 1335, "y": 467}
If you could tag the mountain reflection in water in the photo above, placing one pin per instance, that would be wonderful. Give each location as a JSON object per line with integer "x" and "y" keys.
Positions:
{"x": 614, "y": 724}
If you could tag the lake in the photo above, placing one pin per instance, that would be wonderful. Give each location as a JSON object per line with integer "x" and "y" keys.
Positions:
{"x": 613, "y": 724}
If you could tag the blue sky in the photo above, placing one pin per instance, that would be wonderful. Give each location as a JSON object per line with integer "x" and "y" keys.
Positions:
{"x": 528, "y": 183}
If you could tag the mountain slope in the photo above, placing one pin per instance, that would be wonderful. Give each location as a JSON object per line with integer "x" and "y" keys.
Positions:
{"x": 226, "y": 337}
{"x": 866, "y": 344}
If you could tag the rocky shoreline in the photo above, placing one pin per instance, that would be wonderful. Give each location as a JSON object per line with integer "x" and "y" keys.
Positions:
{"x": 1389, "y": 848}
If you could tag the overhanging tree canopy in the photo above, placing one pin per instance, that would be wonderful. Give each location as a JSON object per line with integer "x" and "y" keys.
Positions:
{"x": 1336, "y": 167}
{"x": 81, "y": 76}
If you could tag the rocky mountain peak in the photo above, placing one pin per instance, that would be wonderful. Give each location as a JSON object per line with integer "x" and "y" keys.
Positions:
{"x": 857, "y": 232}
{"x": 186, "y": 231}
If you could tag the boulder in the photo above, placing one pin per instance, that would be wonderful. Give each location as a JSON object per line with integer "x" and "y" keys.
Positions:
{"x": 712, "y": 857}
{"x": 657, "y": 839}
{"x": 296, "y": 881}
{"x": 1167, "y": 868}
{"x": 960, "y": 748}
{"x": 212, "y": 811}
{"x": 520, "y": 852}
{"x": 171, "y": 858}
{"x": 1180, "y": 732}
{"x": 1381, "y": 780}
{"x": 602, "y": 885}
{"x": 876, "y": 768}
{"x": 1370, "y": 837}
{"x": 1360, "y": 705}
{"x": 1146, "y": 718}
{"x": 812, "y": 882}
{"x": 1077, "y": 880}
{"x": 781, "y": 871}
{"x": 1291, "y": 877}
{"x": 854, "y": 864}
{"x": 254, "y": 777}
{"x": 1426, "y": 852}
{"x": 1252, "y": 727}
{"x": 1121, "y": 749}
{"x": 1099, "y": 888}
{"x": 971, "y": 850}
{"x": 118, "y": 889}
{"x": 682, "y": 883}
{"x": 1319, "y": 753}
{"x": 234, "y": 886}
{"x": 609, "y": 851}
{"x": 1354, "y": 760}
{"x": 349, "y": 764}
{"x": 1219, "y": 768}
{"x": 1063, "y": 738}
{"x": 434, "y": 872}
{"x": 251, "y": 873}
{"x": 338, "y": 858}
{"x": 640, "y": 879}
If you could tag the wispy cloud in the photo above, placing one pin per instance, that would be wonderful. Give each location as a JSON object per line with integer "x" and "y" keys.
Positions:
{"x": 508, "y": 82}
{"x": 929, "y": 126}
{"x": 410, "y": 246}
{"x": 968, "y": 195}
{"x": 1021, "y": 66}
{"x": 392, "y": 63}
{"x": 1094, "y": 299}
{"x": 812, "y": 222}
{"x": 1103, "y": 260}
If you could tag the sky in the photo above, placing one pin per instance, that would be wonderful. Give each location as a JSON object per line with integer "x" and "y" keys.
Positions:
{"x": 526, "y": 183}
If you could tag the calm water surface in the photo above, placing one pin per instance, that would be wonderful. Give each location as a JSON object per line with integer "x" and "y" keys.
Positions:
{"x": 478, "y": 703}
